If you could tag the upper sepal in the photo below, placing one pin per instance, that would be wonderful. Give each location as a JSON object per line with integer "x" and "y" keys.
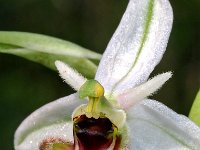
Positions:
{"x": 137, "y": 45}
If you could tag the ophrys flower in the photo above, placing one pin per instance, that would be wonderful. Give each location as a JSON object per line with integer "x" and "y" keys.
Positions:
{"x": 115, "y": 113}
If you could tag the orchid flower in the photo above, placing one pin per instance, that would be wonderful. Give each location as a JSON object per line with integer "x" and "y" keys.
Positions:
{"x": 112, "y": 111}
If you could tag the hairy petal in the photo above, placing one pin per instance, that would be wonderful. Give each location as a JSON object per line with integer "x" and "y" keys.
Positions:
{"x": 130, "y": 97}
{"x": 51, "y": 120}
{"x": 70, "y": 76}
{"x": 137, "y": 45}
{"x": 155, "y": 126}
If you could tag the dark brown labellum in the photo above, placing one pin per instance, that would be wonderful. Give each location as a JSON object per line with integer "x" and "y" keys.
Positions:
{"x": 95, "y": 134}
{"x": 89, "y": 134}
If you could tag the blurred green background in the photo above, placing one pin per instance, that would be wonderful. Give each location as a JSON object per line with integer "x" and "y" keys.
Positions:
{"x": 25, "y": 86}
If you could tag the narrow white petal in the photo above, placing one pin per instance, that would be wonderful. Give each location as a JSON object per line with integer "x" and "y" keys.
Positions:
{"x": 137, "y": 45}
{"x": 70, "y": 76}
{"x": 51, "y": 120}
{"x": 134, "y": 95}
{"x": 153, "y": 126}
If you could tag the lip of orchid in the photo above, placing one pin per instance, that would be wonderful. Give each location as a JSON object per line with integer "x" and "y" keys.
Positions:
{"x": 98, "y": 134}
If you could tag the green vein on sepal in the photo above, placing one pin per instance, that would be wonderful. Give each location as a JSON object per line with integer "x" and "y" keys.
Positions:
{"x": 146, "y": 26}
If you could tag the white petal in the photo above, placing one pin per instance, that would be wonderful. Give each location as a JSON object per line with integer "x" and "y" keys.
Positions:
{"x": 137, "y": 45}
{"x": 51, "y": 120}
{"x": 70, "y": 76}
{"x": 153, "y": 126}
{"x": 132, "y": 96}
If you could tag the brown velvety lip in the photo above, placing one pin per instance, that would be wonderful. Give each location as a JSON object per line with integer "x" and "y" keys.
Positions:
{"x": 94, "y": 134}
{"x": 89, "y": 134}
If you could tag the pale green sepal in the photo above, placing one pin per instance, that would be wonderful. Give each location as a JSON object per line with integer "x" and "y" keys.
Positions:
{"x": 45, "y": 50}
{"x": 195, "y": 110}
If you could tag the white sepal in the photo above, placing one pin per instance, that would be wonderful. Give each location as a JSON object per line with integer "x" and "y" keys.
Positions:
{"x": 130, "y": 97}
{"x": 153, "y": 126}
{"x": 70, "y": 76}
{"x": 137, "y": 45}
{"x": 51, "y": 120}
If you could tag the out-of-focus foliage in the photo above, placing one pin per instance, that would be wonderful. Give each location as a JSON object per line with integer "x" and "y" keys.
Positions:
{"x": 195, "y": 110}
{"x": 25, "y": 86}
{"x": 46, "y": 50}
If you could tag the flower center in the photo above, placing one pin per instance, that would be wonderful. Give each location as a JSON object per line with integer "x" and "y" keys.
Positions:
{"x": 96, "y": 124}
{"x": 94, "y": 91}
